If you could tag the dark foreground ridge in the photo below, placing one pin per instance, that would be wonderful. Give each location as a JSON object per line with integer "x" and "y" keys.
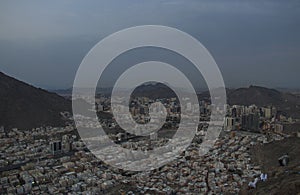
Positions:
{"x": 24, "y": 106}
{"x": 282, "y": 180}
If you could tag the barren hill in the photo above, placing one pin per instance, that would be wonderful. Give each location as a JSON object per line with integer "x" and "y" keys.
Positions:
{"x": 24, "y": 106}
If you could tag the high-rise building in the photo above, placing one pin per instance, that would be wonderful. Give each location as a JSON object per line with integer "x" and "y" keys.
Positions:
{"x": 250, "y": 122}
{"x": 267, "y": 113}
{"x": 229, "y": 123}
{"x": 66, "y": 143}
{"x": 55, "y": 147}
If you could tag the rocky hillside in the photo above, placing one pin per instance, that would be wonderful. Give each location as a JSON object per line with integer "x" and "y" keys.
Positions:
{"x": 281, "y": 180}
{"x": 24, "y": 106}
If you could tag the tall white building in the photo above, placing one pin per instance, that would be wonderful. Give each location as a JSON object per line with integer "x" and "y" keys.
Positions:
{"x": 229, "y": 123}
{"x": 268, "y": 113}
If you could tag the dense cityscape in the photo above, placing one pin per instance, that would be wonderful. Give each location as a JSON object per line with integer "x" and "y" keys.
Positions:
{"x": 55, "y": 160}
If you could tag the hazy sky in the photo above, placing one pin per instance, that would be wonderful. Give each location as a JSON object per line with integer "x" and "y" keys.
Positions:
{"x": 253, "y": 42}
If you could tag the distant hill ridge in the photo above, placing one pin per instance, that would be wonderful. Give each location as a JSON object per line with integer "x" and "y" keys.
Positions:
{"x": 260, "y": 96}
{"x": 24, "y": 106}
{"x": 286, "y": 102}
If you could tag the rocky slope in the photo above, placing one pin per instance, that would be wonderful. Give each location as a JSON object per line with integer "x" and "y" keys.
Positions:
{"x": 24, "y": 106}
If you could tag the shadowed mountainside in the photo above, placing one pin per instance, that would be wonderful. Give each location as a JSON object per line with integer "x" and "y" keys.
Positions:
{"x": 24, "y": 106}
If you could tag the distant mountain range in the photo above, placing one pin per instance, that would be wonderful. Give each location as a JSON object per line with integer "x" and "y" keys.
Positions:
{"x": 24, "y": 106}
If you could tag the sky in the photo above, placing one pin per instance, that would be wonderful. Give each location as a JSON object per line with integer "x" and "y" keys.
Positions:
{"x": 254, "y": 42}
